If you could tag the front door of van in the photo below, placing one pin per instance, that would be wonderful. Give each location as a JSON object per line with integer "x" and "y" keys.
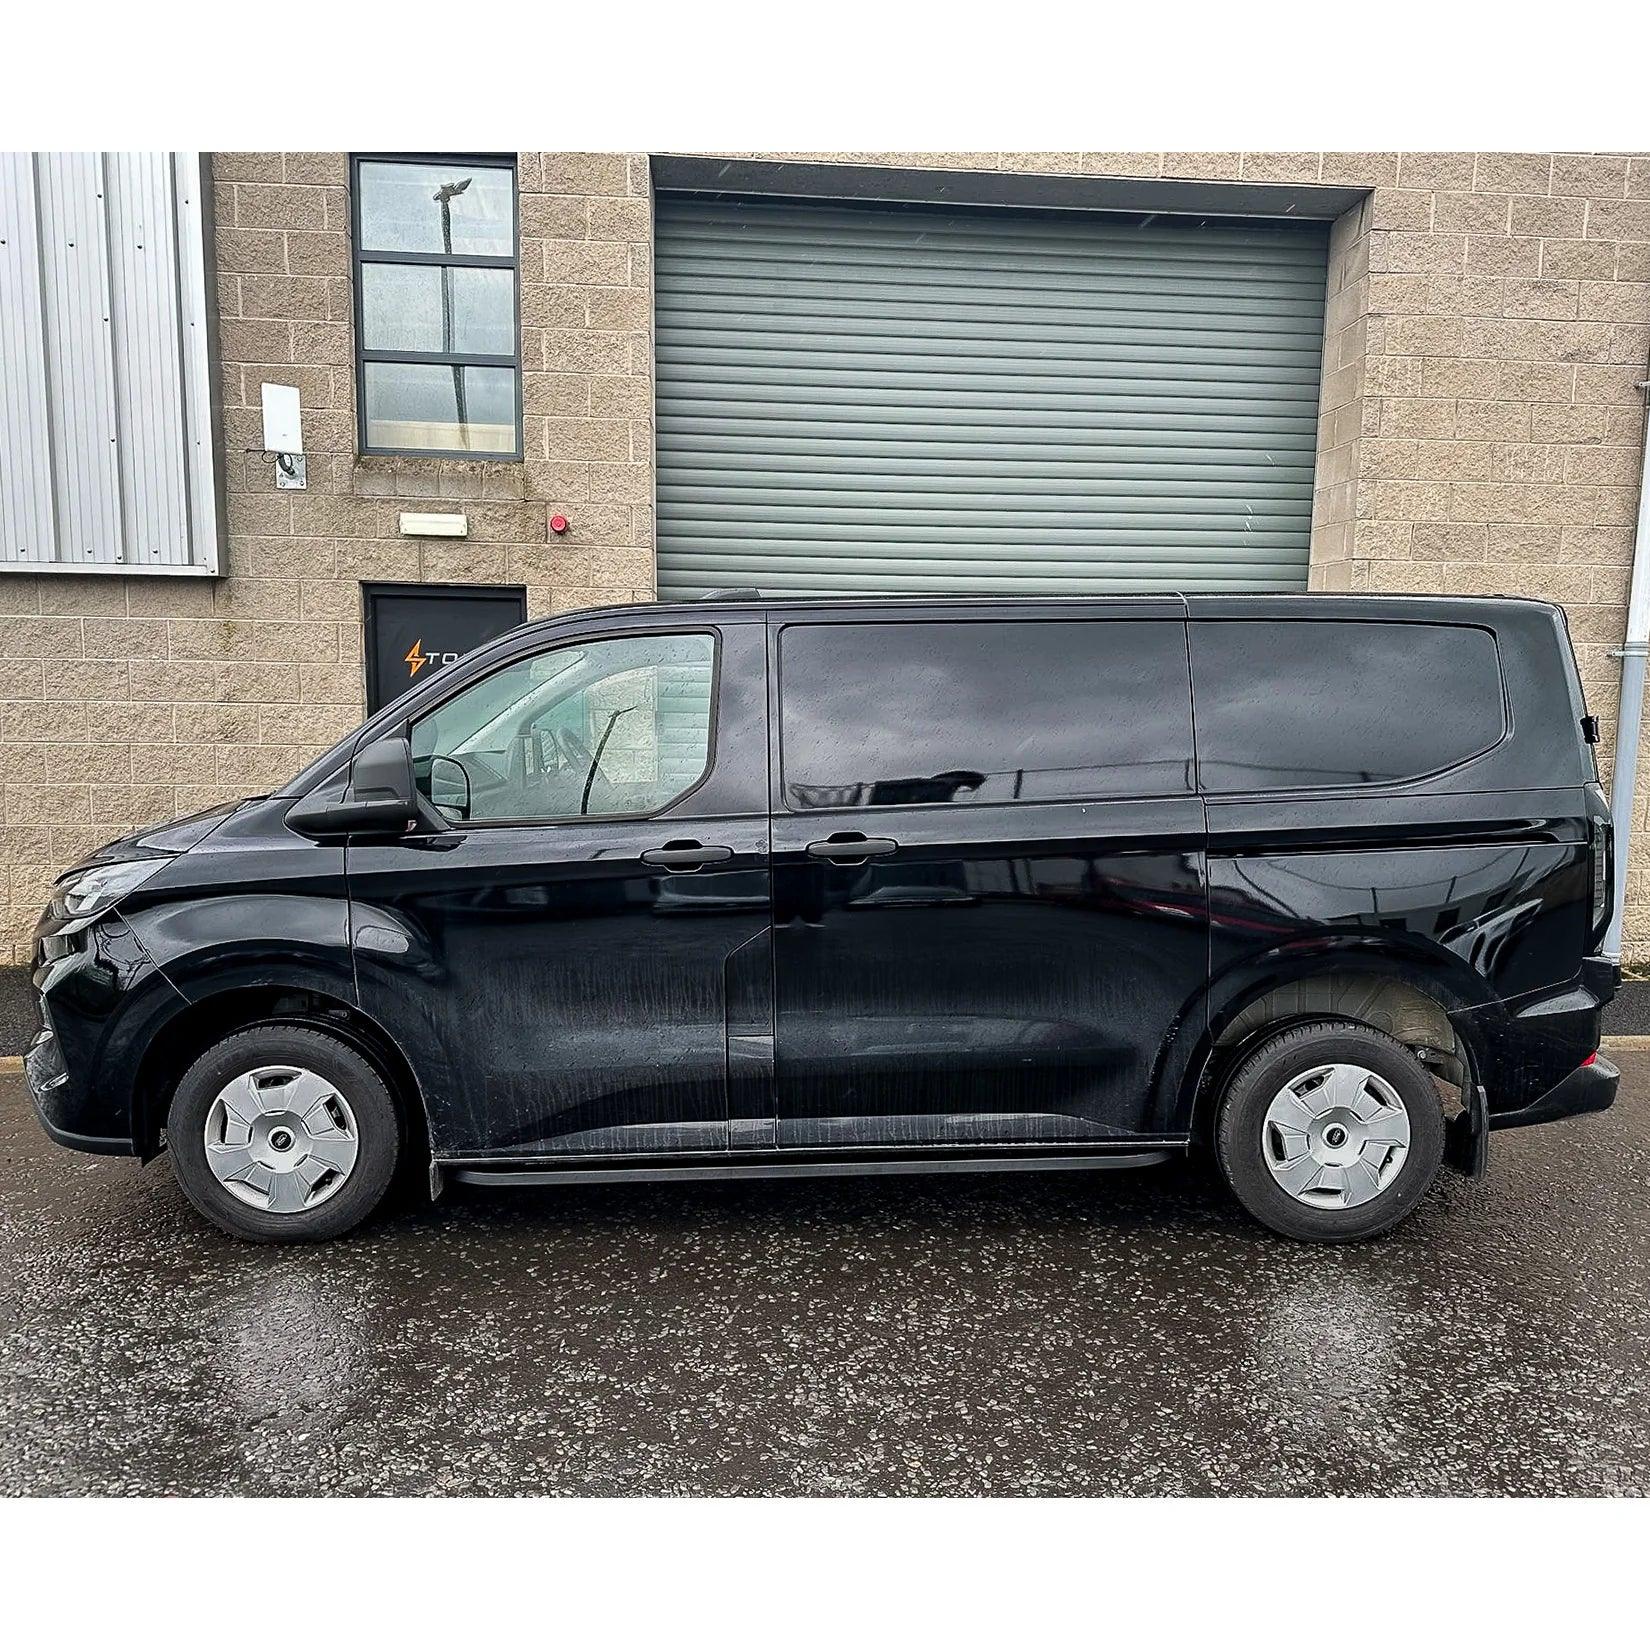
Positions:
{"x": 562, "y": 965}
{"x": 989, "y": 888}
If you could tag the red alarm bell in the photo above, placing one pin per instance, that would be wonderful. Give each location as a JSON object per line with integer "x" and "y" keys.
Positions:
{"x": 558, "y": 524}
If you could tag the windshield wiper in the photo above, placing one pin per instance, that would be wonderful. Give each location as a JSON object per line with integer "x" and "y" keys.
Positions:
{"x": 596, "y": 760}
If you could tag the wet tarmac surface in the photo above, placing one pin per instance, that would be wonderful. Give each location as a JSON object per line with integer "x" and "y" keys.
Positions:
{"x": 1108, "y": 1333}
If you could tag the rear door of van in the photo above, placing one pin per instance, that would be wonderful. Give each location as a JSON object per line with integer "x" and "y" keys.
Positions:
{"x": 990, "y": 908}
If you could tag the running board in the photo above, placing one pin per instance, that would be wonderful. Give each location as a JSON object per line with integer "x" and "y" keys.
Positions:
{"x": 475, "y": 1176}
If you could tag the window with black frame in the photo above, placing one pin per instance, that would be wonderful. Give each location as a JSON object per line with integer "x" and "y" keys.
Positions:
{"x": 438, "y": 362}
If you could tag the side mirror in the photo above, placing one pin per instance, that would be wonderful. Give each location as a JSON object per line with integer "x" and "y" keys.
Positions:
{"x": 379, "y": 799}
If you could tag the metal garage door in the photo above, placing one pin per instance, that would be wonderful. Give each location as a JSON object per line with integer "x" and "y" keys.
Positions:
{"x": 904, "y": 398}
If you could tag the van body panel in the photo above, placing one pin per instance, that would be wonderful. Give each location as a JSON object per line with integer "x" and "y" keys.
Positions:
{"x": 1008, "y": 974}
{"x": 1509, "y": 917}
{"x": 553, "y": 991}
{"x": 254, "y": 904}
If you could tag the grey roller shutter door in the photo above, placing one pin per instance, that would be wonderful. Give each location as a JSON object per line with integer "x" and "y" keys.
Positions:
{"x": 867, "y": 398}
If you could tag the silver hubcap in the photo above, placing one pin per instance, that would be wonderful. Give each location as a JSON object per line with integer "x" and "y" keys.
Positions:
{"x": 281, "y": 1138}
{"x": 1336, "y": 1136}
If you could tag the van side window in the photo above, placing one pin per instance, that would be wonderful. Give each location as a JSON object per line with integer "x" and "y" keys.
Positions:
{"x": 592, "y": 729}
{"x": 897, "y": 715}
{"x": 1287, "y": 704}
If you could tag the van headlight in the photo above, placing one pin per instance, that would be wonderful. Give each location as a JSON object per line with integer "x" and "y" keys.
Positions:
{"x": 91, "y": 892}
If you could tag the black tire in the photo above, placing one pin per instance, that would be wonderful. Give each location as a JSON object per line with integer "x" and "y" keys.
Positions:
{"x": 376, "y": 1120}
{"x": 1249, "y": 1092}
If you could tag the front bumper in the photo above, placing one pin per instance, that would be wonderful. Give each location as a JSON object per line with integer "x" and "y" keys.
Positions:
{"x": 102, "y": 1001}
{"x": 1591, "y": 1087}
{"x": 48, "y": 1081}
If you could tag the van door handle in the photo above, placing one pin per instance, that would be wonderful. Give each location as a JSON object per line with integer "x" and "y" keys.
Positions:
{"x": 850, "y": 848}
{"x": 685, "y": 856}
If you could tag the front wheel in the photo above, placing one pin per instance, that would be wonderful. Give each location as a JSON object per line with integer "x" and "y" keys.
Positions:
{"x": 1330, "y": 1132}
{"x": 283, "y": 1134}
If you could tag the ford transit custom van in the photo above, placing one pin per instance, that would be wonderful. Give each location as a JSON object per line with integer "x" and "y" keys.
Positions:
{"x": 1314, "y": 884}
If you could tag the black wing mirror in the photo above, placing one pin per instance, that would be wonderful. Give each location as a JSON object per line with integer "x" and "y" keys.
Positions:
{"x": 379, "y": 799}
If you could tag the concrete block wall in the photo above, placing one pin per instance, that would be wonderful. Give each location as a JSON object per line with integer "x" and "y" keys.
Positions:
{"x": 1488, "y": 321}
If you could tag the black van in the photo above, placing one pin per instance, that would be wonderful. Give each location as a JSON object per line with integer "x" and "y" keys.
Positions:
{"x": 799, "y": 888}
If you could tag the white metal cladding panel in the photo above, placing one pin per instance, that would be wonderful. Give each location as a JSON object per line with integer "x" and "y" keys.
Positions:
{"x": 80, "y": 363}
{"x": 863, "y": 398}
{"x": 26, "y": 524}
{"x": 149, "y": 402}
{"x": 190, "y": 202}
{"x": 103, "y": 325}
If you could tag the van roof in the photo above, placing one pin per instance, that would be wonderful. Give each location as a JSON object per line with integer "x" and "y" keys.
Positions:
{"x": 1280, "y": 604}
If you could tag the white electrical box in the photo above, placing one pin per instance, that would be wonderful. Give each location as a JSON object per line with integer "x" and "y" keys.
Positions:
{"x": 283, "y": 420}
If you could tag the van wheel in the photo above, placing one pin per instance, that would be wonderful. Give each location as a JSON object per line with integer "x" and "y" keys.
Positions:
{"x": 1330, "y": 1132}
{"x": 283, "y": 1134}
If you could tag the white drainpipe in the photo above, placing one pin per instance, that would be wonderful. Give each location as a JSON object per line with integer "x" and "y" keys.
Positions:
{"x": 1624, "y": 776}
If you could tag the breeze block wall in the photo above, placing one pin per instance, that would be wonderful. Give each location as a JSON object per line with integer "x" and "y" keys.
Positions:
{"x": 1488, "y": 324}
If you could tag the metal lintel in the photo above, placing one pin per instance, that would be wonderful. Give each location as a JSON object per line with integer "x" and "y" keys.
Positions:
{"x": 834, "y": 180}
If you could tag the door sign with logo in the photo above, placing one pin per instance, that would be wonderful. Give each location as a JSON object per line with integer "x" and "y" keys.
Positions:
{"x": 415, "y": 629}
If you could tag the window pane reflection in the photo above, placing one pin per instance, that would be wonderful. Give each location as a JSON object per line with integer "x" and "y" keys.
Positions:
{"x": 611, "y": 728}
{"x": 440, "y": 408}
{"x": 438, "y": 308}
{"x": 454, "y": 207}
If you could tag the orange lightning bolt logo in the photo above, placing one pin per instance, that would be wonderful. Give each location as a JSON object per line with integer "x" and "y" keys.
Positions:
{"x": 417, "y": 657}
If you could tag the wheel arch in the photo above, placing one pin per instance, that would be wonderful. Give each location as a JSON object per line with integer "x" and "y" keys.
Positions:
{"x": 1392, "y": 991}
{"x": 200, "y": 1024}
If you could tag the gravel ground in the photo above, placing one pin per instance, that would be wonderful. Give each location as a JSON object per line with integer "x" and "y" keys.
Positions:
{"x": 1016, "y": 1334}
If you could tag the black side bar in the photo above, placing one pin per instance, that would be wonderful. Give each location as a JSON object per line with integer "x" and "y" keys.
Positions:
{"x": 757, "y": 1169}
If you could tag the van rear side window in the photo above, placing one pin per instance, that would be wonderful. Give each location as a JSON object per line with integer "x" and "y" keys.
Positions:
{"x": 1312, "y": 704}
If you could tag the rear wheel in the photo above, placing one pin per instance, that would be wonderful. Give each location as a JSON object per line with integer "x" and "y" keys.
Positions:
{"x": 283, "y": 1134}
{"x": 1330, "y": 1132}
